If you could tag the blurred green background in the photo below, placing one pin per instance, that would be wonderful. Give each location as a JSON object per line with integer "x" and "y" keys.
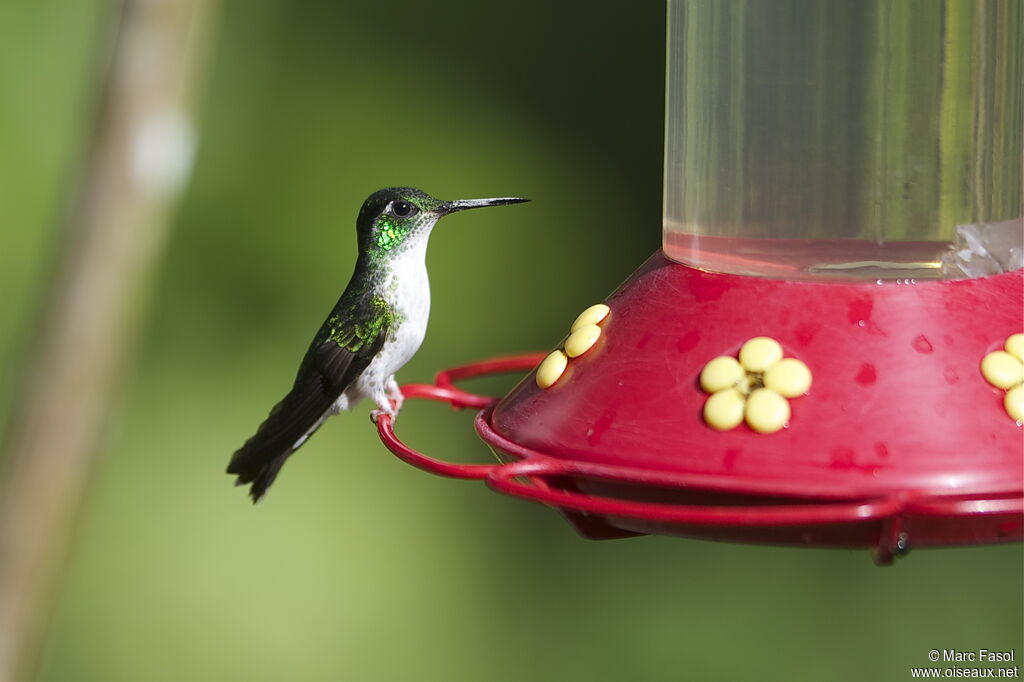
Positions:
{"x": 358, "y": 567}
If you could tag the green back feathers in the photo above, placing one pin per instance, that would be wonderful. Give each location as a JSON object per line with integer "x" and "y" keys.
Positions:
{"x": 350, "y": 329}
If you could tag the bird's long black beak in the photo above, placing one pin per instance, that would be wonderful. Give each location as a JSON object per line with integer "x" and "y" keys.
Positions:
{"x": 463, "y": 204}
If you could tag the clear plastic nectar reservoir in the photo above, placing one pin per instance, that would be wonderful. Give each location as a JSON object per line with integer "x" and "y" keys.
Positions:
{"x": 812, "y": 139}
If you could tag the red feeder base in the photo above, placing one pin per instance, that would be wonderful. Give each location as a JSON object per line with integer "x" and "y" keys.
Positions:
{"x": 900, "y": 441}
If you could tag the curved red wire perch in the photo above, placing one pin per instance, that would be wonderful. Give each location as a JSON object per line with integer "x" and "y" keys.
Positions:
{"x": 444, "y": 390}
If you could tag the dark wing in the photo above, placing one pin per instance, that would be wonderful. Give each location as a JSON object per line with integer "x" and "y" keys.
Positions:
{"x": 323, "y": 376}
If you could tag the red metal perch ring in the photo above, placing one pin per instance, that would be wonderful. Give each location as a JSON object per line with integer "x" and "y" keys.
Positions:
{"x": 443, "y": 390}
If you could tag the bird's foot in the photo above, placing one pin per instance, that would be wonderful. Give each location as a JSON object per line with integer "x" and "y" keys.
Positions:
{"x": 394, "y": 394}
{"x": 389, "y": 401}
{"x": 384, "y": 408}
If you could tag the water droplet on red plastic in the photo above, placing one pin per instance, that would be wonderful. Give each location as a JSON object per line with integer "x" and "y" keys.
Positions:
{"x": 805, "y": 333}
{"x": 689, "y": 341}
{"x": 866, "y": 375}
{"x": 601, "y": 426}
{"x": 709, "y": 287}
{"x": 859, "y": 311}
{"x": 842, "y": 458}
{"x": 921, "y": 344}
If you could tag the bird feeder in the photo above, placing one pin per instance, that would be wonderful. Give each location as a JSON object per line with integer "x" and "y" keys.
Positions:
{"x": 827, "y": 351}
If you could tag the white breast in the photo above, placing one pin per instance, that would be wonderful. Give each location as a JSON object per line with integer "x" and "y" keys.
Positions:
{"x": 407, "y": 291}
{"x": 411, "y": 301}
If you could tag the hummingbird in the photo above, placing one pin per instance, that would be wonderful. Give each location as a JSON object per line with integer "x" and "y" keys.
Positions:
{"x": 375, "y": 327}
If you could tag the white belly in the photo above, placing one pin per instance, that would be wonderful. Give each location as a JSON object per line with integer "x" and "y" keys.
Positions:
{"x": 401, "y": 344}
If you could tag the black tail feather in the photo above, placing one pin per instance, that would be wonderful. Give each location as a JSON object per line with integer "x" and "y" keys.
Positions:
{"x": 326, "y": 371}
{"x": 261, "y": 477}
{"x": 261, "y": 458}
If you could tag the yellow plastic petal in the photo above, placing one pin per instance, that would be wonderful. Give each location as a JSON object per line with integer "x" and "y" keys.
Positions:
{"x": 1001, "y": 369}
{"x": 1015, "y": 346}
{"x": 581, "y": 340}
{"x": 591, "y": 315}
{"x": 766, "y": 411}
{"x": 1013, "y": 401}
{"x": 551, "y": 369}
{"x": 722, "y": 372}
{"x": 724, "y": 409}
{"x": 789, "y": 377}
{"x": 760, "y": 353}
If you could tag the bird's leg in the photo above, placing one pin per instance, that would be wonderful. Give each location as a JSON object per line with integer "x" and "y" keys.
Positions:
{"x": 384, "y": 405}
{"x": 395, "y": 393}
{"x": 389, "y": 401}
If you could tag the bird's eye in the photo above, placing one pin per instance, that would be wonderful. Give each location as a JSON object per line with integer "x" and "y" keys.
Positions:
{"x": 403, "y": 209}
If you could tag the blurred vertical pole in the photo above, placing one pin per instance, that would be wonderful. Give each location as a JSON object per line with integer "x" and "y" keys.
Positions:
{"x": 136, "y": 164}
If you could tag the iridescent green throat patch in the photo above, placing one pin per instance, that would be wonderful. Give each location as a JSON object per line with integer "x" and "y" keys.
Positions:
{"x": 390, "y": 234}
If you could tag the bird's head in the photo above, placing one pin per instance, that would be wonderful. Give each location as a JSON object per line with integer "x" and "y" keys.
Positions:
{"x": 394, "y": 219}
